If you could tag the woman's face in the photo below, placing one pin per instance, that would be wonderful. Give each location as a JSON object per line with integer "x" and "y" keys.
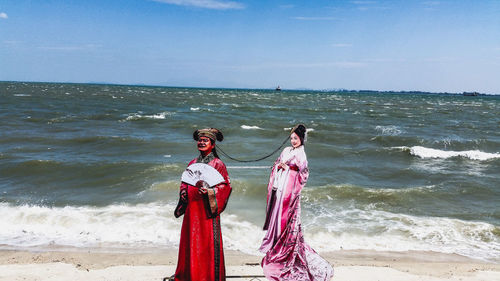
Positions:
{"x": 205, "y": 146}
{"x": 295, "y": 140}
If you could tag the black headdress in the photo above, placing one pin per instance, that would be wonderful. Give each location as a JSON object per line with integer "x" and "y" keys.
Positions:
{"x": 301, "y": 132}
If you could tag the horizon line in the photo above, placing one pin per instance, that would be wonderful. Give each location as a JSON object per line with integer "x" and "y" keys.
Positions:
{"x": 267, "y": 89}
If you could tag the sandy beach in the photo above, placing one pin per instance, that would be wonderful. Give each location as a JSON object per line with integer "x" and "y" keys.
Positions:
{"x": 93, "y": 264}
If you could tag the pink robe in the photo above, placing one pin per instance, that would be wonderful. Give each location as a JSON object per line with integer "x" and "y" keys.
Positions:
{"x": 288, "y": 257}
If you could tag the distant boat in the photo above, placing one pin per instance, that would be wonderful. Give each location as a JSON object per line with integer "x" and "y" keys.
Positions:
{"x": 278, "y": 88}
{"x": 471, "y": 94}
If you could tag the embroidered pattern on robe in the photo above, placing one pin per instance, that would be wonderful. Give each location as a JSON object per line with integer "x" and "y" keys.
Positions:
{"x": 201, "y": 255}
{"x": 288, "y": 256}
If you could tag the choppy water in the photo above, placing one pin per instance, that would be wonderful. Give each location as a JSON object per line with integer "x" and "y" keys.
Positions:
{"x": 99, "y": 165}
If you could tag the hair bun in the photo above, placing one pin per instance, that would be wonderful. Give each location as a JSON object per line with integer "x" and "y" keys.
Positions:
{"x": 218, "y": 134}
{"x": 299, "y": 129}
{"x": 301, "y": 132}
{"x": 196, "y": 135}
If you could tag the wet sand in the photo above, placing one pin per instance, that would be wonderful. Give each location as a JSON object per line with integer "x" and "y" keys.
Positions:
{"x": 96, "y": 264}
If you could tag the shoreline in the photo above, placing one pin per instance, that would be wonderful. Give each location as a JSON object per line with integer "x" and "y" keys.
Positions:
{"x": 123, "y": 264}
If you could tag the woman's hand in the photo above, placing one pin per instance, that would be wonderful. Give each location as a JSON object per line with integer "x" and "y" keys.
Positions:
{"x": 184, "y": 196}
{"x": 282, "y": 165}
{"x": 202, "y": 187}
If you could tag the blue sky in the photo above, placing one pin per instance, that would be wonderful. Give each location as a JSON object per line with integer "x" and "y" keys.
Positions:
{"x": 435, "y": 46}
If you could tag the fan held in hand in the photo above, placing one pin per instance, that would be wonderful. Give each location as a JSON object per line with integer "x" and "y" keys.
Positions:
{"x": 204, "y": 172}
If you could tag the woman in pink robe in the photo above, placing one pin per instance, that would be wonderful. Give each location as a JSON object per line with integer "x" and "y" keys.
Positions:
{"x": 288, "y": 257}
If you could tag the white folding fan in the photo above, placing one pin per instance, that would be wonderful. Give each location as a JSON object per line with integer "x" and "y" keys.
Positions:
{"x": 204, "y": 172}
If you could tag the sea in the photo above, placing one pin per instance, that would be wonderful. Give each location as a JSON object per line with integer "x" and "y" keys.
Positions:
{"x": 99, "y": 166}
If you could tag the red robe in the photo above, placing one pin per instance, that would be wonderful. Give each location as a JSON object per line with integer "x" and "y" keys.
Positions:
{"x": 201, "y": 257}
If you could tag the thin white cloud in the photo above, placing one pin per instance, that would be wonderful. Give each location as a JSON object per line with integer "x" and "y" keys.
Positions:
{"x": 369, "y": 5}
{"x": 11, "y": 42}
{"x": 314, "y": 18}
{"x": 364, "y": 2}
{"x": 341, "y": 45}
{"x": 289, "y": 6}
{"x": 70, "y": 48}
{"x": 3, "y": 16}
{"x": 440, "y": 60}
{"x": 339, "y": 64}
{"x": 386, "y": 60}
{"x": 349, "y": 64}
{"x": 206, "y": 4}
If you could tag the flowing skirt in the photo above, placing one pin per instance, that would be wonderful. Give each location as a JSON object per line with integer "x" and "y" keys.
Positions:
{"x": 288, "y": 256}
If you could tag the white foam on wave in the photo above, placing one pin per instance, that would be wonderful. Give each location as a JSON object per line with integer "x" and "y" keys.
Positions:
{"x": 195, "y": 109}
{"x": 307, "y": 129}
{"x": 138, "y": 116}
{"x": 241, "y": 235}
{"x": 114, "y": 226}
{"x": 389, "y": 130}
{"x": 326, "y": 229}
{"x": 424, "y": 152}
{"x": 353, "y": 229}
{"x": 110, "y": 226}
{"x": 246, "y": 127}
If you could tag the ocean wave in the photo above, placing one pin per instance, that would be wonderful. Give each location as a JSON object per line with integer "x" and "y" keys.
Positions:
{"x": 389, "y": 130}
{"x": 235, "y": 105}
{"x": 365, "y": 194}
{"x": 416, "y": 200}
{"x": 246, "y": 127}
{"x": 166, "y": 167}
{"x": 326, "y": 229}
{"x": 424, "y": 152}
{"x": 34, "y": 180}
{"x": 385, "y": 231}
{"x": 166, "y": 185}
{"x": 6, "y": 156}
{"x": 139, "y": 116}
{"x": 42, "y": 166}
{"x": 114, "y": 225}
{"x": 307, "y": 129}
{"x": 390, "y": 199}
{"x": 243, "y": 167}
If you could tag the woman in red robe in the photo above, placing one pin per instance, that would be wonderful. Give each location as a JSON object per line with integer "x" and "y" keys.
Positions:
{"x": 201, "y": 255}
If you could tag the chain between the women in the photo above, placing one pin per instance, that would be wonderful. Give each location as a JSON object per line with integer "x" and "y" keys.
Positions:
{"x": 253, "y": 160}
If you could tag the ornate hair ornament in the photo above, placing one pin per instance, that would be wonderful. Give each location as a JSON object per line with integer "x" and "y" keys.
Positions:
{"x": 211, "y": 133}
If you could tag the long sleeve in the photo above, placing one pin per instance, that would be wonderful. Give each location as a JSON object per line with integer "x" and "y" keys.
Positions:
{"x": 217, "y": 197}
{"x": 183, "y": 200}
{"x": 278, "y": 160}
{"x": 303, "y": 173}
{"x": 273, "y": 172}
{"x": 301, "y": 159}
{"x": 201, "y": 254}
{"x": 183, "y": 187}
